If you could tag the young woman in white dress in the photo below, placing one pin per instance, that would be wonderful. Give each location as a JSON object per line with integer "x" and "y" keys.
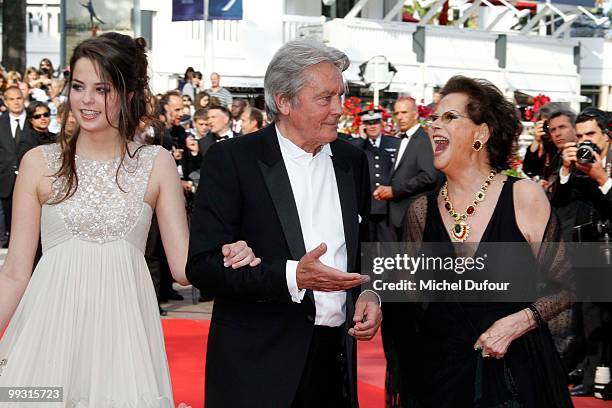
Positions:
{"x": 87, "y": 319}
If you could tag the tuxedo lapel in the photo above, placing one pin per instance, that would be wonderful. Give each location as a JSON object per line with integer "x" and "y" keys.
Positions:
{"x": 402, "y": 159}
{"x": 6, "y": 135}
{"x": 277, "y": 181}
{"x": 405, "y": 153}
{"x": 350, "y": 214}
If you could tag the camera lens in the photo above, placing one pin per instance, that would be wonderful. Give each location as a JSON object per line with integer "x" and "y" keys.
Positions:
{"x": 586, "y": 152}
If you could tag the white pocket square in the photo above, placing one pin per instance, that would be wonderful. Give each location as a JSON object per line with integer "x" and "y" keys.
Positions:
{"x": 359, "y": 218}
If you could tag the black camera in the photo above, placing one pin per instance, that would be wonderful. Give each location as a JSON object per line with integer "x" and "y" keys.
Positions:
{"x": 546, "y": 129}
{"x": 586, "y": 152}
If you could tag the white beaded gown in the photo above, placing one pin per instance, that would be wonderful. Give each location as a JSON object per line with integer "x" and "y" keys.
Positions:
{"x": 89, "y": 320}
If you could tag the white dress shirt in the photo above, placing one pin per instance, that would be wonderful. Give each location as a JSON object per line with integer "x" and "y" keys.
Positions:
{"x": 404, "y": 143}
{"x": 229, "y": 133}
{"x": 604, "y": 189}
{"x": 375, "y": 142}
{"x": 22, "y": 119}
{"x": 316, "y": 196}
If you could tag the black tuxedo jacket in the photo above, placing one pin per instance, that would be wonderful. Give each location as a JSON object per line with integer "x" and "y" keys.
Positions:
{"x": 259, "y": 338}
{"x": 415, "y": 174}
{"x": 195, "y": 162}
{"x": 8, "y": 155}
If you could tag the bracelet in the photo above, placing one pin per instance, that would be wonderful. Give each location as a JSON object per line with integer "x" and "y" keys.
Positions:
{"x": 536, "y": 315}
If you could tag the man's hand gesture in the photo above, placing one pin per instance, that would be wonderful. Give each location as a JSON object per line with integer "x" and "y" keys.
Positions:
{"x": 311, "y": 273}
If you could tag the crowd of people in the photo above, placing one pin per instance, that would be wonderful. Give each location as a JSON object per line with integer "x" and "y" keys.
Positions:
{"x": 110, "y": 175}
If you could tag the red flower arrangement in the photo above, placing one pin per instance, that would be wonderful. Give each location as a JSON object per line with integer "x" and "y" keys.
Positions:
{"x": 350, "y": 121}
{"x": 538, "y": 102}
{"x": 424, "y": 112}
{"x": 352, "y": 106}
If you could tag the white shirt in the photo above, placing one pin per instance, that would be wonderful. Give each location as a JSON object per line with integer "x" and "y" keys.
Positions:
{"x": 22, "y": 119}
{"x": 237, "y": 125}
{"x": 404, "y": 143}
{"x": 604, "y": 189}
{"x": 375, "y": 142}
{"x": 316, "y": 196}
{"x": 227, "y": 133}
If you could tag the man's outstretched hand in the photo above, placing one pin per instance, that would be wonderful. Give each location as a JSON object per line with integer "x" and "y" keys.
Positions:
{"x": 312, "y": 274}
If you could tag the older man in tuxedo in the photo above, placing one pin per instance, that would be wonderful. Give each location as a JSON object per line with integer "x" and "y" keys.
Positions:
{"x": 283, "y": 333}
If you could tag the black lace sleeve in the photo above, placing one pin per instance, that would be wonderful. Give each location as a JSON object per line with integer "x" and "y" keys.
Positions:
{"x": 414, "y": 221}
{"x": 558, "y": 289}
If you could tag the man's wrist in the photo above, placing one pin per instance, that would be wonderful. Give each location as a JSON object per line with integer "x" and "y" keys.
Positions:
{"x": 601, "y": 178}
{"x": 374, "y": 293}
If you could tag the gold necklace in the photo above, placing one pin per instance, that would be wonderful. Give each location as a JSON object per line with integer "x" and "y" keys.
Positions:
{"x": 461, "y": 229}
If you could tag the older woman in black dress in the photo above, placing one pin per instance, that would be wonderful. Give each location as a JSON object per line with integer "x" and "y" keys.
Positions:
{"x": 463, "y": 354}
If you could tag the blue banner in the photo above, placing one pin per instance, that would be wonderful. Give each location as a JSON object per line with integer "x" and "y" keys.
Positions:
{"x": 187, "y": 10}
{"x": 583, "y": 3}
{"x": 225, "y": 10}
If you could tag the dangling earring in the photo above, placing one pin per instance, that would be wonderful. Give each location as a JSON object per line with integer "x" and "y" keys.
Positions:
{"x": 477, "y": 145}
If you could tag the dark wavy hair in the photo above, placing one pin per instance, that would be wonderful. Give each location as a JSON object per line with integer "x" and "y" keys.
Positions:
{"x": 486, "y": 104}
{"x": 120, "y": 61}
{"x": 31, "y": 109}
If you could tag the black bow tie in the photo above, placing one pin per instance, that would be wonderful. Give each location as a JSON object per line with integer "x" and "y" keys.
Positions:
{"x": 220, "y": 138}
{"x": 403, "y": 135}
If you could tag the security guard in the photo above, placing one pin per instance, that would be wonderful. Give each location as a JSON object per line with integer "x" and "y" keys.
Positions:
{"x": 381, "y": 152}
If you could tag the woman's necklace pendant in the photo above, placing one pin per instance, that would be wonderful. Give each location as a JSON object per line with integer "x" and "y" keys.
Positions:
{"x": 460, "y": 231}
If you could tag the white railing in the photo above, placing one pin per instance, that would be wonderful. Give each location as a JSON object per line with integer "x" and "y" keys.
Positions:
{"x": 226, "y": 30}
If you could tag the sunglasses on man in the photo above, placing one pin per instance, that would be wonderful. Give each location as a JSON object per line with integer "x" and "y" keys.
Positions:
{"x": 40, "y": 115}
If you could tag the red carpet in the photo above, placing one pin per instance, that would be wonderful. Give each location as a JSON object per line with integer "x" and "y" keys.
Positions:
{"x": 186, "y": 346}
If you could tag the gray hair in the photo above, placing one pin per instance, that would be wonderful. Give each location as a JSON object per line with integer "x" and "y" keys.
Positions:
{"x": 550, "y": 108}
{"x": 285, "y": 72}
{"x": 571, "y": 115}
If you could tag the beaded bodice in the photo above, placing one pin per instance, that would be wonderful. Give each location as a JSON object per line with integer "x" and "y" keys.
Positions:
{"x": 107, "y": 203}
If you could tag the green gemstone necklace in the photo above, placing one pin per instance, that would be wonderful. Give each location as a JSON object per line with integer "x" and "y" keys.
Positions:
{"x": 461, "y": 229}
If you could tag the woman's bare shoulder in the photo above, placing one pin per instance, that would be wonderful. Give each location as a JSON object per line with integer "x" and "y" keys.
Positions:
{"x": 532, "y": 209}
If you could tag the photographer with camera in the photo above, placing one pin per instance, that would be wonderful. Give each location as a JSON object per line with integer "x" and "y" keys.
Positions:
{"x": 587, "y": 164}
{"x": 537, "y": 163}
{"x": 586, "y": 175}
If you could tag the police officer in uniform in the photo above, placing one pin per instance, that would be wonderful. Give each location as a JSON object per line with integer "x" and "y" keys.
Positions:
{"x": 381, "y": 152}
